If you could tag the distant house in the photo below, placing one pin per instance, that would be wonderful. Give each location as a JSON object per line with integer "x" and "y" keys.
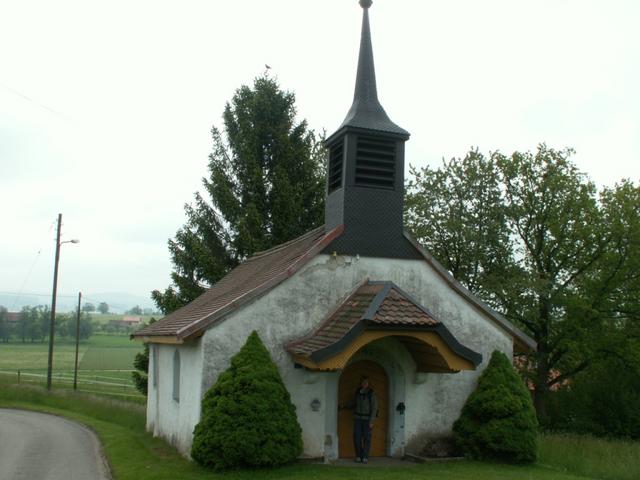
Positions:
{"x": 127, "y": 321}
{"x": 13, "y": 317}
{"x": 131, "y": 320}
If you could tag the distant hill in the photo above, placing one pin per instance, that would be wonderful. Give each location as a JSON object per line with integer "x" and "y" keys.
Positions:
{"x": 118, "y": 302}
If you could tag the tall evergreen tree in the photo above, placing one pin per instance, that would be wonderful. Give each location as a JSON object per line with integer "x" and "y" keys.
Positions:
{"x": 265, "y": 186}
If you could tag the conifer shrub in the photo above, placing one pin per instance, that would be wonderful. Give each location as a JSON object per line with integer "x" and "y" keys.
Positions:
{"x": 247, "y": 419}
{"x": 498, "y": 421}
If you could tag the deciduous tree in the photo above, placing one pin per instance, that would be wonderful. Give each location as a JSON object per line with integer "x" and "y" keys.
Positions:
{"x": 529, "y": 234}
{"x": 88, "y": 307}
{"x": 5, "y": 328}
{"x": 103, "y": 307}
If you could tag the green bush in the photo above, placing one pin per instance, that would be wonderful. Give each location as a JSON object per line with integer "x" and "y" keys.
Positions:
{"x": 603, "y": 401}
{"x": 498, "y": 422}
{"x": 247, "y": 416}
{"x": 140, "y": 375}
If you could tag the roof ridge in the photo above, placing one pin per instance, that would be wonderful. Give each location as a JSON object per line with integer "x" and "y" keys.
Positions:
{"x": 376, "y": 302}
{"x": 280, "y": 246}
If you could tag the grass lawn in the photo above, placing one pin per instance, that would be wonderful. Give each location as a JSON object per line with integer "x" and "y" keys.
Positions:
{"x": 600, "y": 458}
{"x": 29, "y": 356}
{"x": 103, "y": 352}
{"x": 134, "y": 454}
{"x": 110, "y": 352}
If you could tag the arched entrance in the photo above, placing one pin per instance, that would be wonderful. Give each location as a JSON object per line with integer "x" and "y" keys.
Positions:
{"x": 349, "y": 381}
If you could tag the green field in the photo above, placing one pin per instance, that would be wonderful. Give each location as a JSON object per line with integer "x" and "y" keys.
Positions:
{"x": 104, "y": 364}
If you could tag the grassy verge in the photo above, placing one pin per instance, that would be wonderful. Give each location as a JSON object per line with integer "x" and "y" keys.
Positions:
{"x": 599, "y": 458}
{"x": 134, "y": 454}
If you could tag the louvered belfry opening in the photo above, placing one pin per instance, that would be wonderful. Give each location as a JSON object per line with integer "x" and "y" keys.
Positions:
{"x": 334, "y": 172}
{"x": 375, "y": 162}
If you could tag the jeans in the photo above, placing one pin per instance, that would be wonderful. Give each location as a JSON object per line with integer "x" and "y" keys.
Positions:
{"x": 362, "y": 437}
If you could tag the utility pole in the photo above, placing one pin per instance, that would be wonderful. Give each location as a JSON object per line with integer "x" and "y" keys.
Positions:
{"x": 75, "y": 371}
{"x": 53, "y": 304}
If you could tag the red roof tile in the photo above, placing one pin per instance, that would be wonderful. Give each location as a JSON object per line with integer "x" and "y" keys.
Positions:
{"x": 379, "y": 303}
{"x": 251, "y": 278}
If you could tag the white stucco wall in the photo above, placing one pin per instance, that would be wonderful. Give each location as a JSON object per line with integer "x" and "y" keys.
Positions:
{"x": 170, "y": 419}
{"x": 298, "y": 305}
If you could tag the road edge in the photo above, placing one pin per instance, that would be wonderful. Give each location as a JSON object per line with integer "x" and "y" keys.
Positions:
{"x": 103, "y": 463}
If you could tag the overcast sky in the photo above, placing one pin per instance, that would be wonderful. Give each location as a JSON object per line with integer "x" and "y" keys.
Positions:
{"x": 106, "y": 107}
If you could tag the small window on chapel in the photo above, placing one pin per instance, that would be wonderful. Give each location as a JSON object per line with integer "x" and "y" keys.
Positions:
{"x": 154, "y": 359}
{"x": 176, "y": 376}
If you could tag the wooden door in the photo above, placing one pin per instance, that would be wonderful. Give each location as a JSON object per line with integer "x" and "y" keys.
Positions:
{"x": 349, "y": 382}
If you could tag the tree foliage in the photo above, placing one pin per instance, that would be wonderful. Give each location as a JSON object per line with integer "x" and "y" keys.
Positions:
{"x": 88, "y": 307}
{"x": 529, "y": 234}
{"x": 5, "y": 327}
{"x": 265, "y": 186}
{"x": 604, "y": 401}
{"x": 457, "y": 212}
{"x": 136, "y": 310}
{"x": 247, "y": 416}
{"x": 140, "y": 375}
{"x": 103, "y": 308}
{"x": 498, "y": 421}
{"x": 33, "y": 323}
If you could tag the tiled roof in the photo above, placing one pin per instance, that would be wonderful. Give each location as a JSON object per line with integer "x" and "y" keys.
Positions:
{"x": 265, "y": 270}
{"x": 248, "y": 280}
{"x": 378, "y": 304}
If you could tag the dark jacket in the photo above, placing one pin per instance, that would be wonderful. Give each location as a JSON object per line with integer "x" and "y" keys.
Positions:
{"x": 365, "y": 405}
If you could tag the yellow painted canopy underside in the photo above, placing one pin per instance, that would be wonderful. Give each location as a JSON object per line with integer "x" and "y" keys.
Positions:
{"x": 429, "y": 351}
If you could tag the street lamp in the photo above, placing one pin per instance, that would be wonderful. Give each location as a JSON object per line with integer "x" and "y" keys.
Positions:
{"x": 53, "y": 300}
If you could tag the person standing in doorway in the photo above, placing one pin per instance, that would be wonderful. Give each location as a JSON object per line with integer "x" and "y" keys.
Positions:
{"x": 365, "y": 412}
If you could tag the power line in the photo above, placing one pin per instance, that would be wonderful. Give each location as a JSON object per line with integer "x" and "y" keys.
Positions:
{"x": 119, "y": 306}
{"x": 34, "y": 294}
{"x": 35, "y": 102}
{"x": 30, "y": 271}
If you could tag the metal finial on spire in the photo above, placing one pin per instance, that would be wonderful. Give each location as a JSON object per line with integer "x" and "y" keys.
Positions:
{"x": 365, "y": 3}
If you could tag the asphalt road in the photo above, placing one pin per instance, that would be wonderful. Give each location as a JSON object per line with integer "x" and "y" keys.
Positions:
{"x": 36, "y": 446}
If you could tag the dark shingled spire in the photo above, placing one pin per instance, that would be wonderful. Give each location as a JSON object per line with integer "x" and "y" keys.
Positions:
{"x": 365, "y": 171}
{"x": 366, "y": 111}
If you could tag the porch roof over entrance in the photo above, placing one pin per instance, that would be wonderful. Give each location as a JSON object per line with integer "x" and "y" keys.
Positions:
{"x": 376, "y": 310}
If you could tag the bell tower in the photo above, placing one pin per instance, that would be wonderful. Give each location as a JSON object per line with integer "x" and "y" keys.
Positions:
{"x": 365, "y": 172}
